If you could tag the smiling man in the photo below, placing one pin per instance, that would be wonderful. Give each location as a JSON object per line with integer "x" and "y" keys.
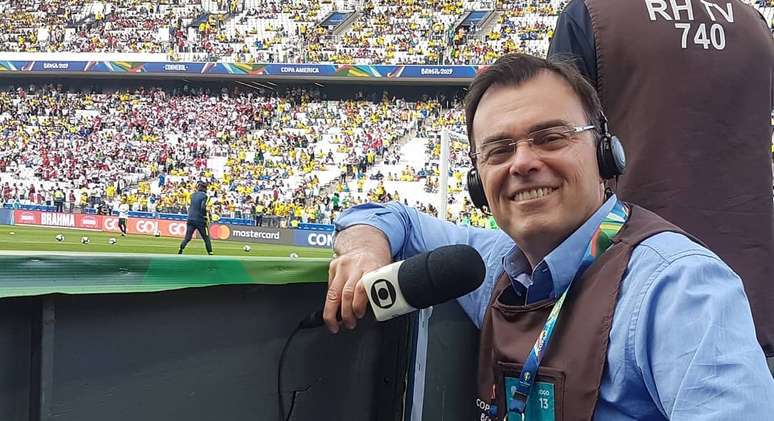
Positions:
{"x": 544, "y": 192}
{"x": 592, "y": 308}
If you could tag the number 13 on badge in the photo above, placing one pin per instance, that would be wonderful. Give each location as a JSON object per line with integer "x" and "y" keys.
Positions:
{"x": 540, "y": 404}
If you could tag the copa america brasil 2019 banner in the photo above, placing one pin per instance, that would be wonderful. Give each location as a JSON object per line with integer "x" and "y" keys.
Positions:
{"x": 353, "y": 71}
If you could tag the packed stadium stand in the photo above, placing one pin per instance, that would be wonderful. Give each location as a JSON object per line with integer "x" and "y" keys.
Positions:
{"x": 311, "y": 31}
{"x": 264, "y": 153}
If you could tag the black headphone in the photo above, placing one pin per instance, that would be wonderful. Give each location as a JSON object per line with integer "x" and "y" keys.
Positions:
{"x": 611, "y": 160}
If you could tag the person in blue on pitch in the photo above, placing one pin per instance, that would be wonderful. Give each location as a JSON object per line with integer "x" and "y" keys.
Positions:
{"x": 592, "y": 307}
{"x": 197, "y": 218}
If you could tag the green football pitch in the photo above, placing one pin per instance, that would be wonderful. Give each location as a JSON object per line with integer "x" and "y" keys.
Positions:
{"x": 21, "y": 238}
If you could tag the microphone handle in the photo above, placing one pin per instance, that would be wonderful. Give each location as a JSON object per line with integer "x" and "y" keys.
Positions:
{"x": 315, "y": 319}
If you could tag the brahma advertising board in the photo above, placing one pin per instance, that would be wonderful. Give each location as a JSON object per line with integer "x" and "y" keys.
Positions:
{"x": 54, "y": 219}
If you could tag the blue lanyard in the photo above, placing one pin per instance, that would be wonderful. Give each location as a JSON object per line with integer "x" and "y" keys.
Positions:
{"x": 600, "y": 241}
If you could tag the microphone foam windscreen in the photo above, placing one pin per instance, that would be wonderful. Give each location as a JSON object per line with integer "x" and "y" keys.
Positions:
{"x": 438, "y": 276}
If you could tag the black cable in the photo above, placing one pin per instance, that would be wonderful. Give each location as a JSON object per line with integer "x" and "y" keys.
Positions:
{"x": 280, "y": 402}
{"x": 309, "y": 322}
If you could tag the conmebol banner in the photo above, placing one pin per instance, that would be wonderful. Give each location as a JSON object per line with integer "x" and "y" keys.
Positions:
{"x": 313, "y": 238}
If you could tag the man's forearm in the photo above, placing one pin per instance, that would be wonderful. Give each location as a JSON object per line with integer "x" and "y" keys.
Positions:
{"x": 362, "y": 238}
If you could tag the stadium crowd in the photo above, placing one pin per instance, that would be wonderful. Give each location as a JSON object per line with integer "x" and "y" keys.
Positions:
{"x": 265, "y": 155}
{"x": 276, "y": 158}
{"x": 251, "y": 31}
{"x": 393, "y": 32}
{"x": 407, "y": 31}
{"x": 522, "y": 26}
{"x": 79, "y": 26}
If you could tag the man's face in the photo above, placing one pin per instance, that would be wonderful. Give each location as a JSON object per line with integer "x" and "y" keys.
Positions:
{"x": 538, "y": 200}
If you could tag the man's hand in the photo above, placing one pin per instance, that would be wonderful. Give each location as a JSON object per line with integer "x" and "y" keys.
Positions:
{"x": 359, "y": 249}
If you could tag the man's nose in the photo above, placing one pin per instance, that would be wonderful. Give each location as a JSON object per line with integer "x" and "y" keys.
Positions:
{"x": 524, "y": 160}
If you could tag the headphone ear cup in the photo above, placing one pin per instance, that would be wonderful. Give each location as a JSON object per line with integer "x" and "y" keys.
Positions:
{"x": 618, "y": 155}
{"x": 610, "y": 157}
{"x": 476, "y": 190}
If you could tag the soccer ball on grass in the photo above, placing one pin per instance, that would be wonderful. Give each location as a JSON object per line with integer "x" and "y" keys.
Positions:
{"x": 59, "y": 237}
{"x": 247, "y": 248}
{"x": 112, "y": 241}
{"x": 84, "y": 240}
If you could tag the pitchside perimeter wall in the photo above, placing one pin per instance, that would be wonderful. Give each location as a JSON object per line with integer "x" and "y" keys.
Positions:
{"x": 147, "y": 337}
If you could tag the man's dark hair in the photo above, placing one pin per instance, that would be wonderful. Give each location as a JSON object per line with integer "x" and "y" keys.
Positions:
{"x": 201, "y": 186}
{"x": 517, "y": 68}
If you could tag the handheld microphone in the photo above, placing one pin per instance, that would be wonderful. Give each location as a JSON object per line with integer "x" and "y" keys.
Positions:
{"x": 418, "y": 282}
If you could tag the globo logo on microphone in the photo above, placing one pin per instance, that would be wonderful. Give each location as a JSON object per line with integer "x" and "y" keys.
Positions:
{"x": 383, "y": 294}
{"x": 405, "y": 286}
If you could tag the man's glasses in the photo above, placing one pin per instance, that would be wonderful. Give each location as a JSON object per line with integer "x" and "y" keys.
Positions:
{"x": 542, "y": 141}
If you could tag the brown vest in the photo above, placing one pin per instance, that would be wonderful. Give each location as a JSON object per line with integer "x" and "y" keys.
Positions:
{"x": 696, "y": 125}
{"x": 576, "y": 357}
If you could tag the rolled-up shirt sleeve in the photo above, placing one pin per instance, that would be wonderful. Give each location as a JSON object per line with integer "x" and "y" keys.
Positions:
{"x": 409, "y": 231}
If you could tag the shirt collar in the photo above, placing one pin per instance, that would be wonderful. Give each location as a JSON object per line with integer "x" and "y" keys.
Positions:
{"x": 562, "y": 262}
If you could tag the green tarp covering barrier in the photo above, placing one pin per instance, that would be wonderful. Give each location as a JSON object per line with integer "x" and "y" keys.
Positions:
{"x": 27, "y": 273}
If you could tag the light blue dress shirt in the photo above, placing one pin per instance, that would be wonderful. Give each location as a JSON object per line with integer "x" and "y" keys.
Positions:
{"x": 682, "y": 345}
